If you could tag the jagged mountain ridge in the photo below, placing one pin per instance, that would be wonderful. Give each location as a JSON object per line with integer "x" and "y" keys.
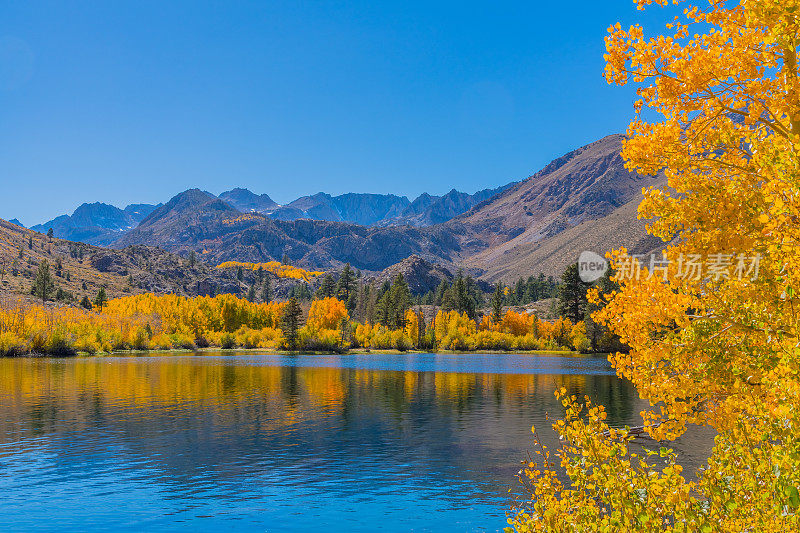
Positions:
{"x": 96, "y": 223}
{"x": 102, "y": 224}
{"x": 427, "y": 210}
{"x": 247, "y": 201}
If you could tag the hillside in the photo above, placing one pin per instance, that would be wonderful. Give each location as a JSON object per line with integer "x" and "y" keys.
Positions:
{"x": 86, "y": 268}
{"x": 581, "y": 187}
{"x": 552, "y": 255}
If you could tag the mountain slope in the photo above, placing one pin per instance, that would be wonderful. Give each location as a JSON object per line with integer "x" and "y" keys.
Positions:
{"x": 582, "y": 186}
{"x": 552, "y": 255}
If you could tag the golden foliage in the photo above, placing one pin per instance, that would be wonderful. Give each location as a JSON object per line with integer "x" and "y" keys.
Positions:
{"x": 141, "y": 322}
{"x": 275, "y": 267}
{"x": 718, "y": 349}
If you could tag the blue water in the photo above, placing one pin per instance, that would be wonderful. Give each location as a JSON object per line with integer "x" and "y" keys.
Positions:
{"x": 248, "y": 442}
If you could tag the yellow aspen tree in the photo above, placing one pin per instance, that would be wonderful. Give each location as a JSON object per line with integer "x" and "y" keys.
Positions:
{"x": 712, "y": 324}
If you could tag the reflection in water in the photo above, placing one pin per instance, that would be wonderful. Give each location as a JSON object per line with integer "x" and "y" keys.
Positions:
{"x": 278, "y": 443}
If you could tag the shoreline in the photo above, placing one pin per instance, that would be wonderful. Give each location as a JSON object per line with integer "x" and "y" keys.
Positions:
{"x": 237, "y": 351}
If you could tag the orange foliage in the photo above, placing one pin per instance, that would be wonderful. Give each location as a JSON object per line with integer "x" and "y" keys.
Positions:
{"x": 327, "y": 313}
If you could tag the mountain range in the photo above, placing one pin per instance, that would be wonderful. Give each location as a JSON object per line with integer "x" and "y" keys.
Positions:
{"x": 103, "y": 224}
{"x": 585, "y": 199}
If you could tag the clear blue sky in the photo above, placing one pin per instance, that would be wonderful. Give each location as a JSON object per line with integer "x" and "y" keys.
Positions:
{"x": 128, "y": 102}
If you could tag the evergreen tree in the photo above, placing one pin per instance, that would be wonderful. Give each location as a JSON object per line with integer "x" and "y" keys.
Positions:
{"x": 439, "y": 294}
{"x": 352, "y": 302}
{"x": 400, "y": 297}
{"x": 572, "y": 294}
{"x": 301, "y": 291}
{"x": 192, "y": 259}
{"x": 459, "y": 291}
{"x": 599, "y": 335}
{"x": 497, "y": 303}
{"x": 43, "y": 284}
{"x": 291, "y": 322}
{"x": 251, "y": 294}
{"x": 50, "y": 234}
{"x": 327, "y": 288}
{"x": 474, "y": 297}
{"x": 448, "y": 302}
{"x": 85, "y": 303}
{"x": 346, "y": 284}
{"x": 101, "y": 298}
{"x": 361, "y": 303}
{"x": 285, "y": 259}
{"x": 239, "y": 273}
{"x": 266, "y": 290}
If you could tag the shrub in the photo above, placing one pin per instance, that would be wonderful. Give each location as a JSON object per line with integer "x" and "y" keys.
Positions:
{"x": 12, "y": 345}
{"x": 227, "y": 341}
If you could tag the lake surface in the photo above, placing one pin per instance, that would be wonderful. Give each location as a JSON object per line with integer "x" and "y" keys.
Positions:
{"x": 249, "y": 442}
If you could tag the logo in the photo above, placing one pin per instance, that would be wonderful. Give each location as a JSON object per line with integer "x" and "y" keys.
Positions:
{"x": 591, "y": 266}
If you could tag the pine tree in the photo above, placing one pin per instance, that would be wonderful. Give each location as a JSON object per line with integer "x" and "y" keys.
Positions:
{"x": 439, "y": 293}
{"x": 448, "y": 302}
{"x": 346, "y": 284}
{"x": 85, "y": 303}
{"x": 285, "y": 259}
{"x": 266, "y": 290}
{"x": 50, "y": 234}
{"x": 192, "y": 259}
{"x": 352, "y": 302}
{"x": 239, "y": 273}
{"x": 362, "y": 303}
{"x": 101, "y": 298}
{"x": 572, "y": 294}
{"x": 400, "y": 302}
{"x": 497, "y": 303}
{"x": 291, "y": 321}
{"x": 43, "y": 284}
{"x": 251, "y": 294}
{"x": 328, "y": 287}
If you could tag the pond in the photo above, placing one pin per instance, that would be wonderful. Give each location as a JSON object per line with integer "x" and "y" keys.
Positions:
{"x": 266, "y": 442}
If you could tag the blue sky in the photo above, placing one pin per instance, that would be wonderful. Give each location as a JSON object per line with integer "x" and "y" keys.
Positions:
{"x": 129, "y": 102}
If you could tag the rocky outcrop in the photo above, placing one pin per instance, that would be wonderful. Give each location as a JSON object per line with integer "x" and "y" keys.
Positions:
{"x": 422, "y": 276}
